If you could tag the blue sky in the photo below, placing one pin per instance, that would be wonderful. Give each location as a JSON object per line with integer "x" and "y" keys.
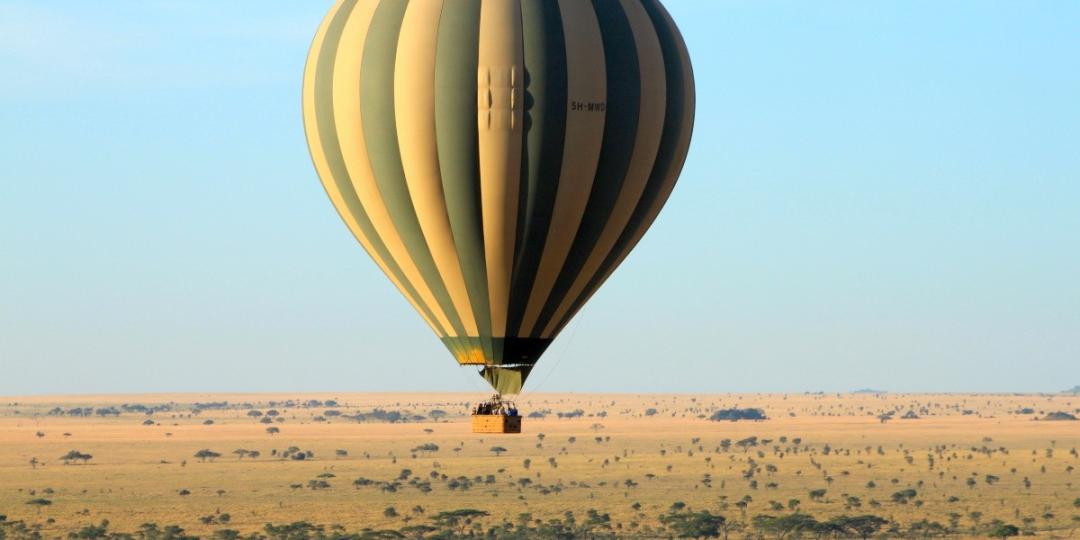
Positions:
{"x": 879, "y": 194}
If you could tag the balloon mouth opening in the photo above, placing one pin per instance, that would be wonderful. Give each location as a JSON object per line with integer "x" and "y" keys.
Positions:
{"x": 506, "y": 380}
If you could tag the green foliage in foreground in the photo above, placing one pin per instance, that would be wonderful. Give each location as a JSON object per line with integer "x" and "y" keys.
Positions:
{"x": 682, "y": 522}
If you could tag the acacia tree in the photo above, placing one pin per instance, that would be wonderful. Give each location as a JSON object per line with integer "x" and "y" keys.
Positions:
{"x": 783, "y": 526}
{"x": 862, "y": 526}
{"x": 426, "y": 448}
{"x": 76, "y": 455}
{"x": 701, "y": 524}
{"x": 206, "y": 454}
{"x": 458, "y": 519}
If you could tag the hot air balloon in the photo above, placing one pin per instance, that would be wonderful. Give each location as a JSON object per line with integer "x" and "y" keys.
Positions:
{"x": 498, "y": 159}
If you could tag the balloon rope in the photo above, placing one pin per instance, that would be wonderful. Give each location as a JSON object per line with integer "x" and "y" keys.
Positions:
{"x": 562, "y": 354}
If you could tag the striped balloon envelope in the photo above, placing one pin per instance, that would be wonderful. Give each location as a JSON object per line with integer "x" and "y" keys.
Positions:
{"x": 498, "y": 159}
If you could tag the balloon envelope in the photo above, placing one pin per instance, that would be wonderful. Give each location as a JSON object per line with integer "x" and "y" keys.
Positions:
{"x": 498, "y": 159}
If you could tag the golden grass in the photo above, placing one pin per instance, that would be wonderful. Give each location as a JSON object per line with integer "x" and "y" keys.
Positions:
{"x": 138, "y": 471}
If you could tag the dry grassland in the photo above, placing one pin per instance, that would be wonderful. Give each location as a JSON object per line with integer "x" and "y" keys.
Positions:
{"x": 1022, "y": 466}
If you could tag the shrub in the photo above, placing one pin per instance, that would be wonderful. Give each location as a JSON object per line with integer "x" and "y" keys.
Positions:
{"x": 1059, "y": 416}
{"x": 1003, "y": 530}
{"x": 426, "y": 448}
{"x": 861, "y": 526}
{"x": 902, "y": 497}
{"x": 701, "y": 524}
{"x": 206, "y": 454}
{"x": 75, "y": 455}
{"x": 734, "y": 415}
{"x": 783, "y": 526}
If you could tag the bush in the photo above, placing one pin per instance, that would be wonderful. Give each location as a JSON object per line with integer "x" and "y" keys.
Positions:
{"x": 75, "y": 455}
{"x": 734, "y": 415}
{"x": 1060, "y": 415}
{"x": 454, "y": 518}
{"x": 783, "y": 526}
{"x": 902, "y": 497}
{"x": 206, "y": 454}
{"x": 426, "y": 447}
{"x": 1004, "y": 530}
{"x": 701, "y": 524}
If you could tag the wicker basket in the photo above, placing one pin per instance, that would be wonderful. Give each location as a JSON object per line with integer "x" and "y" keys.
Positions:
{"x": 496, "y": 423}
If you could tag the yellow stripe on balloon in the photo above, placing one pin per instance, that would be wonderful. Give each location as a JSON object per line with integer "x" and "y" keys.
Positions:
{"x": 501, "y": 96}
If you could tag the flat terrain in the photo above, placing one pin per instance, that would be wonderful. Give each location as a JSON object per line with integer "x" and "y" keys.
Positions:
{"x": 961, "y": 461}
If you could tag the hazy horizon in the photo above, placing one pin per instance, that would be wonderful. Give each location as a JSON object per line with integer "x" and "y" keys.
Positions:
{"x": 472, "y": 395}
{"x": 878, "y": 196}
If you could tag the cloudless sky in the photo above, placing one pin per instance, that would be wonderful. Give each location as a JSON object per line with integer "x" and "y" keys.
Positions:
{"x": 879, "y": 194}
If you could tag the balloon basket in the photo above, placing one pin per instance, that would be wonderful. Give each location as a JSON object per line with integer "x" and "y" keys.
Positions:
{"x": 495, "y": 423}
{"x": 496, "y": 415}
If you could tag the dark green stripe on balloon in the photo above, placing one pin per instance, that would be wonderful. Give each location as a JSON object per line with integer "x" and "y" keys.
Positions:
{"x": 668, "y": 157}
{"x": 542, "y": 151}
{"x": 620, "y": 130}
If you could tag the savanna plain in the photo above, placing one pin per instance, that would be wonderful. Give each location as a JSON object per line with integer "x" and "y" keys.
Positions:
{"x": 290, "y": 466}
